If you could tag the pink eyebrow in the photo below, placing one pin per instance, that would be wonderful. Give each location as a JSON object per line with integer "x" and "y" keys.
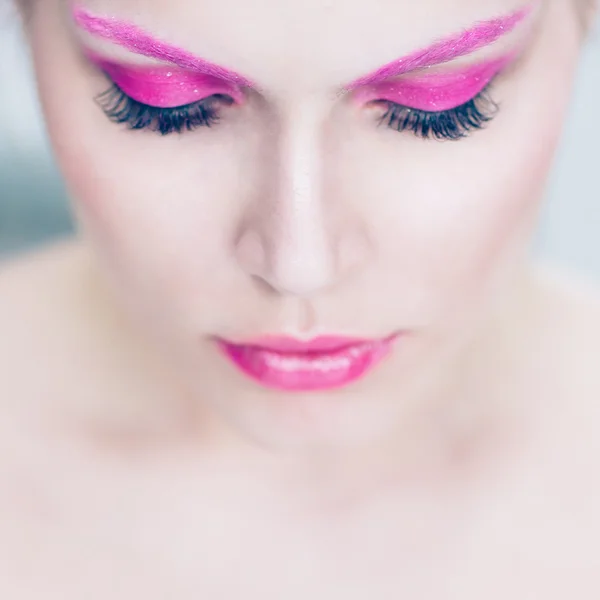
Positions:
{"x": 483, "y": 34}
{"x": 134, "y": 39}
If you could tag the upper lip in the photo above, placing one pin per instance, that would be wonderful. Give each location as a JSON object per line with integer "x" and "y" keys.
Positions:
{"x": 282, "y": 343}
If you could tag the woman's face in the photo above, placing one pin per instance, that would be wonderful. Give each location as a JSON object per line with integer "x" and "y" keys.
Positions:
{"x": 324, "y": 199}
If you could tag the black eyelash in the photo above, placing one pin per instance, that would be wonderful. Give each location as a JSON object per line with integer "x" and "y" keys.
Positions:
{"x": 453, "y": 124}
{"x": 120, "y": 108}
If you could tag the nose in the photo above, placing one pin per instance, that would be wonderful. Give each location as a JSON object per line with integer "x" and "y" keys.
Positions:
{"x": 297, "y": 235}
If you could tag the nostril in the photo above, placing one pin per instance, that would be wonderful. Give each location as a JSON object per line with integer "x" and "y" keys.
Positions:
{"x": 265, "y": 286}
{"x": 301, "y": 265}
{"x": 250, "y": 253}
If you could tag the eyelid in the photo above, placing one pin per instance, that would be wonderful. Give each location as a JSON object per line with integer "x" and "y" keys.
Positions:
{"x": 453, "y": 124}
{"x": 165, "y": 86}
{"x": 436, "y": 91}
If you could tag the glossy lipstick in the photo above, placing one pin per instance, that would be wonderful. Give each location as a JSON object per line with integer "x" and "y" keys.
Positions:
{"x": 320, "y": 364}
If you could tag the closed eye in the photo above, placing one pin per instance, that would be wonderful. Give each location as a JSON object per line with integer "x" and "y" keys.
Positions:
{"x": 121, "y": 108}
{"x": 453, "y": 124}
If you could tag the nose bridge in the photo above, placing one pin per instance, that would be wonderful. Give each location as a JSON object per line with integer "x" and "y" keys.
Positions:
{"x": 299, "y": 239}
{"x": 300, "y": 234}
{"x": 289, "y": 223}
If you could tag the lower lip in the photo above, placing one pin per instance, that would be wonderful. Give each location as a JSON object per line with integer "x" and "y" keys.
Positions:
{"x": 308, "y": 371}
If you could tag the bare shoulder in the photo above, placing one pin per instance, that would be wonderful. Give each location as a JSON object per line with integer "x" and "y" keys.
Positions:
{"x": 568, "y": 347}
{"x": 66, "y": 347}
{"x": 34, "y": 289}
{"x": 44, "y": 269}
{"x": 570, "y": 303}
{"x": 572, "y": 377}
{"x": 40, "y": 311}
{"x": 570, "y": 289}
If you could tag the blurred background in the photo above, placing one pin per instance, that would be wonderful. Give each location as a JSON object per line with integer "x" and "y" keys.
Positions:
{"x": 34, "y": 209}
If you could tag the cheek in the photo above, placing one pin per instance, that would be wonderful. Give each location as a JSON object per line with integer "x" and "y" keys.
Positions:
{"x": 163, "y": 229}
{"x": 151, "y": 204}
{"x": 464, "y": 211}
{"x": 470, "y": 223}
{"x": 490, "y": 207}
{"x": 155, "y": 208}
{"x": 460, "y": 228}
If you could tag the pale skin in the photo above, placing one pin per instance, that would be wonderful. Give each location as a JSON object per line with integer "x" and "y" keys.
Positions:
{"x": 465, "y": 467}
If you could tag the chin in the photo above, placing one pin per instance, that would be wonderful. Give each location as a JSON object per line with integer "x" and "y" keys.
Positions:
{"x": 305, "y": 421}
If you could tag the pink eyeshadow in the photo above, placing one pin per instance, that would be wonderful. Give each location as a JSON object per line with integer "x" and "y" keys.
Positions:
{"x": 445, "y": 50}
{"x": 136, "y": 40}
{"x": 434, "y": 91}
{"x": 163, "y": 86}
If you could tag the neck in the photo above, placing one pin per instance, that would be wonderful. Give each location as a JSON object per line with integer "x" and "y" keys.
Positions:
{"x": 461, "y": 415}
{"x": 467, "y": 416}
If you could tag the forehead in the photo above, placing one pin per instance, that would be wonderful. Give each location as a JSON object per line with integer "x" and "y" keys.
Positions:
{"x": 291, "y": 44}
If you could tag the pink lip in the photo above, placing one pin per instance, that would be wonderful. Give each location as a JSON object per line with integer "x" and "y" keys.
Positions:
{"x": 293, "y": 365}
